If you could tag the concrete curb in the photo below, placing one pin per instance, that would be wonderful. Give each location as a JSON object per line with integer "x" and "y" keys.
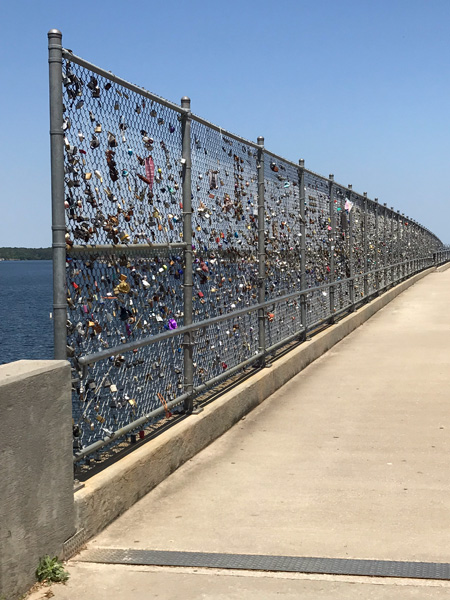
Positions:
{"x": 443, "y": 267}
{"x": 111, "y": 492}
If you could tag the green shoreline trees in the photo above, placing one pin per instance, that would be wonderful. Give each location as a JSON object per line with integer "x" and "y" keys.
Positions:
{"x": 25, "y": 253}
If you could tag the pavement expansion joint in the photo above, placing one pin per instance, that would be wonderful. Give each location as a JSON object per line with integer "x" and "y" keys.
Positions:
{"x": 260, "y": 562}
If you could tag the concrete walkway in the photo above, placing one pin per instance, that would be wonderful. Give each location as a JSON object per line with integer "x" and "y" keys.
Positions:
{"x": 349, "y": 460}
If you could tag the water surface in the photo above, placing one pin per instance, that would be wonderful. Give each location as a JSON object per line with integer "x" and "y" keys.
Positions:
{"x": 26, "y": 330}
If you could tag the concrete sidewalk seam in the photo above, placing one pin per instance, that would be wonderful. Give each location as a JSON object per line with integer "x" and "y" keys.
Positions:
{"x": 399, "y": 582}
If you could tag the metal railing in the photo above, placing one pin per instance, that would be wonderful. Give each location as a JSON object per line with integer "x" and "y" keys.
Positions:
{"x": 184, "y": 253}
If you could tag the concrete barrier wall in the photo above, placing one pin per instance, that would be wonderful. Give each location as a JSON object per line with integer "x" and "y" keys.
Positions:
{"x": 36, "y": 472}
{"x": 112, "y": 491}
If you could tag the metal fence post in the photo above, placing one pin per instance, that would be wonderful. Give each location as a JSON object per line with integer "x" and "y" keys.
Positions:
{"x": 417, "y": 245}
{"x": 404, "y": 248}
{"x": 375, "y": 249}
{"x": 366, "y": 244}
{"x": 417, "y": 242}
{"x": 412, "y": 238}
{"x": 399, "y": 247}
{"x": 261, "y": 252}
{"x": 411, "y": 226}
{"x": 422, "y": 260}
{"x": 392, "y": 246}
{"x": 395, "y": 249}
{"x": 331, "y": 245}
{"x": 408, "y": 245}
{"x": 57, "y": 186}
{"x": 385, "y": 277}
{"x": 351, "y": 269}
{"x": 301, "y": 184}
{"x": 188, "y": 366}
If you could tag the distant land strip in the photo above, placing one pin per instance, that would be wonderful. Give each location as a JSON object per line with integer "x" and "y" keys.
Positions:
{"x": 25, "y": 253}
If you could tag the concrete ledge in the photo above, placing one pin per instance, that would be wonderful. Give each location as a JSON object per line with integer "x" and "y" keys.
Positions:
{"x": 111, "y": 492}
{"x": 36, "y": 491}
{"x": 443, "y": 267}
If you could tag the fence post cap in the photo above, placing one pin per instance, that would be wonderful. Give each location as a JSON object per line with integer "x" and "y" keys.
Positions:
{"x": 54, "y": 32}
{"x": 260, "y": 140}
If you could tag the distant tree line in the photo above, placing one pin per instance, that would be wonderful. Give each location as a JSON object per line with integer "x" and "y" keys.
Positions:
{"x": 26, "y": 253}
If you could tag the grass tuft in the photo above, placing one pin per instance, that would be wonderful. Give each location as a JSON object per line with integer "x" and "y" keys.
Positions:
{"x": 51, "y": 570}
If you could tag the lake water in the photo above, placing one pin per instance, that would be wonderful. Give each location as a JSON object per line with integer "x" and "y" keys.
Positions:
{"x": 26, "y": 298}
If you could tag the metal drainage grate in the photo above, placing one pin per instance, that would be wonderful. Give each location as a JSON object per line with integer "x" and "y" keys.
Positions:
{"x": 74, "y": 544}
{"x": 258, "y": 562}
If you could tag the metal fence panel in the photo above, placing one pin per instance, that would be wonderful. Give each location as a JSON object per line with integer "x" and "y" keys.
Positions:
{"x": 372, "y": 242}
{"x": 282, "y": 225}
{"x": 224, "y": 230}
{"x": 122, "y": 193}
{"x": 341, "y": 250}
{"x": 192, "y": 253}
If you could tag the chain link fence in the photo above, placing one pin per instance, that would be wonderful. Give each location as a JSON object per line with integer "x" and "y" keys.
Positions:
{"x": 184, "y": 254}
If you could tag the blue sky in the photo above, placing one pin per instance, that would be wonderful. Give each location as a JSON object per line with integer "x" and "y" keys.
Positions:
{"x": 358, "y": 88}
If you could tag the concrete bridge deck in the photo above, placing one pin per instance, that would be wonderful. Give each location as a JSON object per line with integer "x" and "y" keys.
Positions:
{"x": 349, "y": 460}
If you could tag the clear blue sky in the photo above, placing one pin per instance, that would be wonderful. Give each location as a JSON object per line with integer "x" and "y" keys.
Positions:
{"x": 359, "y": 88}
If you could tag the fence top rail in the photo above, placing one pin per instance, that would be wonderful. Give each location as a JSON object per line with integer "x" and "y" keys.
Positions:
{"x": 224, "y": 132}
{"x": 289, "y": 162}
{"x": 70, "y": 56}
{"x": 347, "y": 189}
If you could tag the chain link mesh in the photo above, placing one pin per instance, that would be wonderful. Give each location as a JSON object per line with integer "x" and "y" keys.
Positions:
{"x": 382, "y": 248}
{"x": 126, "y": 254}
{"x": 122, "y": 164}
{"x": 318, "y": 226}
{"x": 113, "y": 299}
{"x": 282, "y": 236}
{"x": 122, "y": 192}
{"x": 224, "y": 230}
{"x": 372, "y": 243}
{"x": 341, "y": 249}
